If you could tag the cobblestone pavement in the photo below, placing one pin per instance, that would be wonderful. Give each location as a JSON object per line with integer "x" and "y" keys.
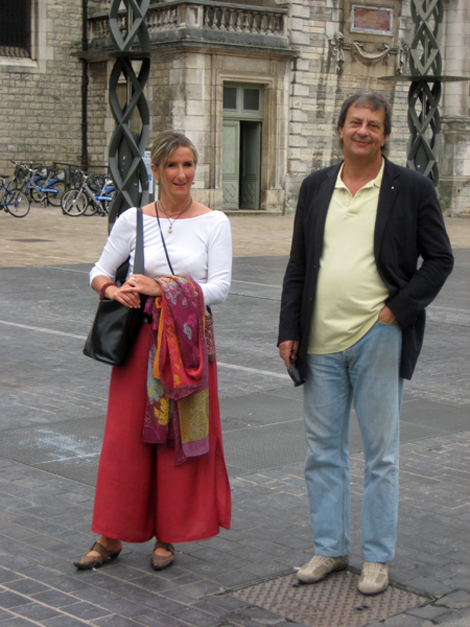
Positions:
{"x": 52, "y": 405}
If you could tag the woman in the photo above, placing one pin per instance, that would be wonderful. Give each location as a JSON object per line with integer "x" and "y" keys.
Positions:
{"x": 140, "y": 492}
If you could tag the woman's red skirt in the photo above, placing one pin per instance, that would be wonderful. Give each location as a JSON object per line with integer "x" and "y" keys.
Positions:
{"x": 141, "y": 494}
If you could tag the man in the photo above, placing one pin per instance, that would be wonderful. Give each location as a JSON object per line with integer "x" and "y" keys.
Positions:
{"x": 352, "y": 318}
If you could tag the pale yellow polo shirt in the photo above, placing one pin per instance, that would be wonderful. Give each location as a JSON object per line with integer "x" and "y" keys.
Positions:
{"x": 350, "y": 292}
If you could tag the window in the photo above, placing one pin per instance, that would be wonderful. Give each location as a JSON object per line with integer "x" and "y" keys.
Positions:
{"x": 243, "y": 101}
{"x": 230, "y": 97}
{"x": 15, "y": 28}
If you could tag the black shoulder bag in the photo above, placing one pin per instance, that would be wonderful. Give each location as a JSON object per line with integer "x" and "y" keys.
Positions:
{"x": 115, "y": 326}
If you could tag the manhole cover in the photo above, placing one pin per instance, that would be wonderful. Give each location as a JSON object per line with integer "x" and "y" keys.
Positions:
{"x": 330, "y": 603}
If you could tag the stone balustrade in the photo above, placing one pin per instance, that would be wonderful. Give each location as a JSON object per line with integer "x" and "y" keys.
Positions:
{"x": 207, "y": 17}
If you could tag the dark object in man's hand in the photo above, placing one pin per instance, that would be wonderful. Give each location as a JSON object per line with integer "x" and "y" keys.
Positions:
{"x": 294, "y": 374}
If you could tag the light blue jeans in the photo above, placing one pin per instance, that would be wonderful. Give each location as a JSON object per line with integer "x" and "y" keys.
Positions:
{"x": 367, "y": 375}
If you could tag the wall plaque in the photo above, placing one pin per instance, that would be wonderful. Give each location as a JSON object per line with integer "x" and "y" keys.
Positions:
{"x": 366, "y": 19}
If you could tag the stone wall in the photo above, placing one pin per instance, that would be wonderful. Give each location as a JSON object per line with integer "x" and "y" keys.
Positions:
{"x": 100, "y": 122}
{"x": 324, "y": 75}
{"x": 41, "y": 97}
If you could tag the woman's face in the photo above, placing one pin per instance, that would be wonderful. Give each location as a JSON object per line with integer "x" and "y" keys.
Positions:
{"x": 178, "y": 174}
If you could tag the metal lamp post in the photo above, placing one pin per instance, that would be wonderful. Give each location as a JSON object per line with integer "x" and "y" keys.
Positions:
{"x": 130, "y": 37}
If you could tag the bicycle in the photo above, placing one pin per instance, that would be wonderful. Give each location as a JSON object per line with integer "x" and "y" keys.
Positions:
{"x": 89, "y": 198}
{"x": 42, "y": 184}
{"x": 103, "y": 188}
{"x": 13, "y": 201}
{"x": 52, "y": 185}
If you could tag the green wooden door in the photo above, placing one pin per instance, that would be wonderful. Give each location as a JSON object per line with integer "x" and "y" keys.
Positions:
{"x": 231, "y": 163}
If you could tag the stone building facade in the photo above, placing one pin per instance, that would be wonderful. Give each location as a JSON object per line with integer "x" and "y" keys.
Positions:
{"x": 256, "y": 85}
{"x": 40, "y": 82}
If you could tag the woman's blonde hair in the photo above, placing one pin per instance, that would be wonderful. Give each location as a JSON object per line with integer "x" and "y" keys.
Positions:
{"x": 164, "y": 145}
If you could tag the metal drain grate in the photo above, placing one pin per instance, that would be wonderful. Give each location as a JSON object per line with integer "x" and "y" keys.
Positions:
{"x": 329, "y": 603}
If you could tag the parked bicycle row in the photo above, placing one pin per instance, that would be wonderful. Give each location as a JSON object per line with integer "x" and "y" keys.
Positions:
{"x": 76, "y": 191}
{"x": 91, "y": 196}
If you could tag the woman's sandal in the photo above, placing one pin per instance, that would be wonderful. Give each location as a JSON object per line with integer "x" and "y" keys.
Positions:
{"x": 159, "y": 562}
{"x": 87, "y": 562}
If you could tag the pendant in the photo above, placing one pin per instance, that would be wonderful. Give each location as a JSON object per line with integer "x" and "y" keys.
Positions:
{"x": 170, "y": 230}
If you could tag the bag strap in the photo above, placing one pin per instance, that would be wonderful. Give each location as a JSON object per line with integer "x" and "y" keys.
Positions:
{"x": 139, "y": 244}
{"x": 163, "y": 242}
{"x": 168, "y": 256}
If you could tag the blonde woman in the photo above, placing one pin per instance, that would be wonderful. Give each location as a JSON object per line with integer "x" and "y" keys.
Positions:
{"x": 141, "y": 493}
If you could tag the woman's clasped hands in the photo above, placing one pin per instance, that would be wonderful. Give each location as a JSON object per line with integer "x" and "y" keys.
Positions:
{"x": 136, "y": 284}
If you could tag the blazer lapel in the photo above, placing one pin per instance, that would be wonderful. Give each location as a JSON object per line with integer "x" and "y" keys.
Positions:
{"x": 319, "y": 209}
{"x": 387, "y": 196}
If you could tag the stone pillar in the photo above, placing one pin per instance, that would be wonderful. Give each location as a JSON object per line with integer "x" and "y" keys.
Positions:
{"x": 454, "y": 162}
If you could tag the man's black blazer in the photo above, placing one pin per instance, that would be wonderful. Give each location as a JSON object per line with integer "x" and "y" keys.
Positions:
{"x": 409, "y": 225}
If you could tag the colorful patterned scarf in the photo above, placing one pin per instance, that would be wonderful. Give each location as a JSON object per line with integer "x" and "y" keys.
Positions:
{"x": 177, "y": 411}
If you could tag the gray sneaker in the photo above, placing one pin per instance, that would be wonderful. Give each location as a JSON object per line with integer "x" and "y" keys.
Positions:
{"x": 320, "y": 566}
{"x": 374, "y": 578}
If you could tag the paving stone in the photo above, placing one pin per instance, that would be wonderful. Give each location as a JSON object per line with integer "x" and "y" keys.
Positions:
{"x": 66, "y": 583}
{"x": 54, "y": 598}
{"x": 455, "y": 600}
{"x": 154, "y": 583}
{"x": 226, "y": 601}
{"x": 458, "y": 583}
{"x": 405, "y": 620}
{"x": 114, "y": 620}
{"x": 452, "y": 619}
{"x": 86, "y": 611}
{"x": 201, "y": 588}
{"x": 10, "y": 600}
{"x": 64, "y": 621}
{"x": 429, "y": 612}
{"x": 5, "y": 615}
{"x": 18, "y": 621}
{"x": 7, "y": 575}
{"x": 155, "y": 619}
{"x": 124, "y": 607}
{"x": 37, "y": 611}
{"x": 27, "y": 586}
{"x": 194, "y": 616}
{"x": 429, "y": 586}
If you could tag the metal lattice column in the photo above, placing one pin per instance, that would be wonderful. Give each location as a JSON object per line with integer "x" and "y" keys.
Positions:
{"x": 126, "y": 148}
{"x": 425, "y": 91}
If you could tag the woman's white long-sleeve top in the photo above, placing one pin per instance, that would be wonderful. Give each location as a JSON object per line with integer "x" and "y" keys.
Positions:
{"x": 199, "y": 248}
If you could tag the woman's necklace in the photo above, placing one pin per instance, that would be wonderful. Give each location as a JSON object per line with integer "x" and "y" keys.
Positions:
{"x": 171, "y": 219}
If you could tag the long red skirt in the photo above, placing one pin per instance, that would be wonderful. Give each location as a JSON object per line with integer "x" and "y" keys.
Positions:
{"x": 141, "y": 494}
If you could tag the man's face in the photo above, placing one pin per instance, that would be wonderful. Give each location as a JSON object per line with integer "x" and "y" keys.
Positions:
{"x": 363, "y": 134}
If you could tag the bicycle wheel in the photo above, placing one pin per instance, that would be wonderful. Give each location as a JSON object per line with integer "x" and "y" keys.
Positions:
{"x": 105, "y": 204}
{"x": 91, "y": 209}
{"x": 54, "y": 197}
{"x": 18, "y": 204}
{"x": 74, "y": 202}
{"x": 35, "y": 194}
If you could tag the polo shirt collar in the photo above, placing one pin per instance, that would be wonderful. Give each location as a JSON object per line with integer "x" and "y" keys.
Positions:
{"x": 377, "y": 182}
